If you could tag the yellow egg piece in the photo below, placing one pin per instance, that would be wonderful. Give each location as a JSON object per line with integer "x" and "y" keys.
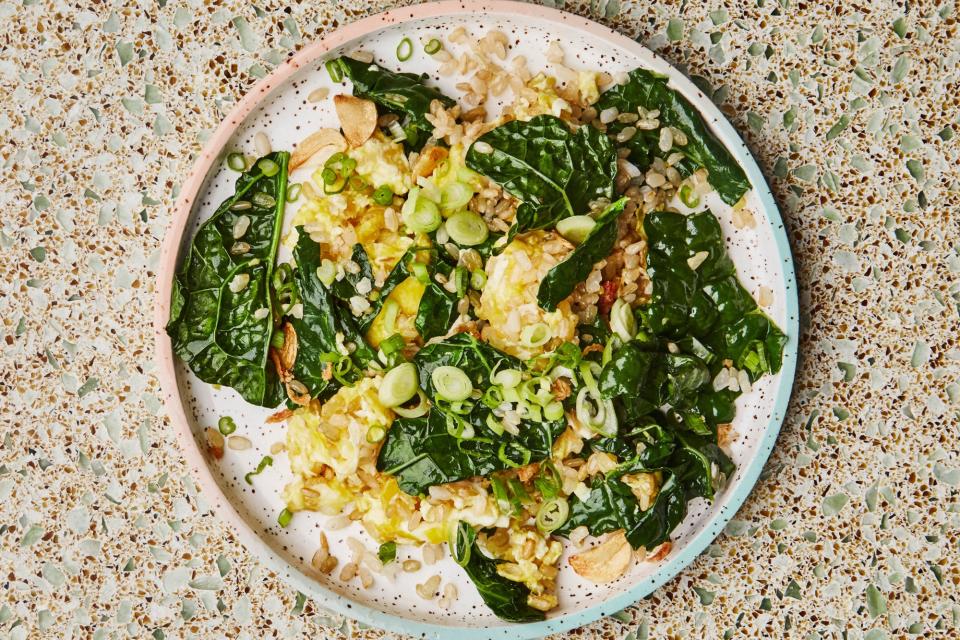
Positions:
{"x": 407, "y": 296}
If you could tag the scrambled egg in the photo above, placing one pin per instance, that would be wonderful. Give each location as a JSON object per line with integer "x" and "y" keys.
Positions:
{"x": 328, "y": 448}
{"x": 587, "y": 87}
{"x": 451, "y": 184}
{"x": 509, "y": 299}
{"x": 381, "y": 161}
{"x": 547, "y": 100}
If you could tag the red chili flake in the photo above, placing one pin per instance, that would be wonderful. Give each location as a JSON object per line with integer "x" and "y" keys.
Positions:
{"x": 609, "y": 295}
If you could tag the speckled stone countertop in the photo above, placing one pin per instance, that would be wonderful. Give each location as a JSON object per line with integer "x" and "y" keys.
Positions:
{"x": 852, "y": 111}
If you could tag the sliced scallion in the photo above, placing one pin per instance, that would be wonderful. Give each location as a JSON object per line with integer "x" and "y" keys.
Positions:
{"x": 552, "y": 514}
{"x": 393, "y": 344}
{"x": 376, "y": 433}
{"x": 535, "y": 335}
{"x": 390, "y": 311}
{"x": 293, "y": 192}
{"x": 383, "y": 195}
{"x": 494, "y": 424}
{"x": 399, "y": 385}
{"x": 508, "y": 378}
{"x": 285, "y": 517}
{"x": 404, "y": 50}
{"x": 455, "y": 195}
{"x": 467, "y": 229}
{"x": 268, "y": 167}
{"x": 688, "y": 196}
{"x": 432, "y": 46}
{"x": 226, "y": 425}
{"x": 264, "y": 463}
{"x": 451, "y": 383}
{"x": 419, "y": 213}
{"x": 510, "y": 462}
{"x": 576, "y": 228}
{"x": 478, "y": 279}
{"x": 553, "y": 411}
{"x": 622, "y": 321}
{"x": 236, "y": 161}
{"x": 415, "y": 411}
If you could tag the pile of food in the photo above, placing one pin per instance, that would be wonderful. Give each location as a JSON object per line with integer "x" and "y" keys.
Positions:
{"x": 496, "y": 333}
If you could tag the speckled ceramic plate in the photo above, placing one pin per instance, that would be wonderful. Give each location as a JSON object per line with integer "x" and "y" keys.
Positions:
{"x": 278, "y": 106}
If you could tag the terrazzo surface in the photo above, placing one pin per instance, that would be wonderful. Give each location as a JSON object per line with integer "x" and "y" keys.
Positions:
{"x": 851, "y": 109}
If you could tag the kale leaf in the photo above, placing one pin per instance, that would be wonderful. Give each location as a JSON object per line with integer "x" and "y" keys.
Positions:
{"x": 707, "y": 302}
{"x": 219, "y": 326}
{"x": 555, "y": 173}
{"x": 562, "y": 279}
{"x": 506, "y": 598}
{"x": 649, "y": 90}
{"x": 404, "y": 94}
{"x": 326, "y": 324}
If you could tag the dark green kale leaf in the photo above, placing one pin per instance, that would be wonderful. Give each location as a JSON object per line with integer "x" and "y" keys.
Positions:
{"x": 506, "y": 598}
{"x": 649, "y": 90}
{"x": 708, "y": 302}
{"x": 404, "y": 94}
{"x": 555, "y": 173}
{"x": 326, "y": 325}
{"x": 224, "y": 335}
{"x": 562, "y": 279}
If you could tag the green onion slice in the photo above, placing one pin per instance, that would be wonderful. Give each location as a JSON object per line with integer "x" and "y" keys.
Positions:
{"x": 494, "y": 424}
{"x": 688, "y": 196}
{"x": 535, "y": 335}
{"x": 387, "y": 552}
{"x": 285, "y": 517}
{"x": 226, "y": 425}
{"x": 461, "y": 542}
{"x": 420, "y": 272}
{"x": 478, "y": 279}
{"x": 376, "y": 433}
{"x": 432, "y": 46}
{"x": 451, "y": 383}
{"x": 467, "y": 229}
{"x": 622, "y": 321}
{"x": 399, "y": 385}
{"x": 455, "y": 195}
{"x": 264, "y": 463}
{"x": 383, "y": 195}
{"x": 415, "y": 411}
{"x": 236, "y": 161}
{"x": 553, "y": 411}
{"x": 268, "y": 167}
{"x": 420, "y": 214}
{"x": 507, "y": 378}
{"x": 576, "y": 228}
{"x": 552, "y": 514}
{"x": 293, "y": 192}
{"x": 404, "y": 50}
{"x": 525, "y": 454}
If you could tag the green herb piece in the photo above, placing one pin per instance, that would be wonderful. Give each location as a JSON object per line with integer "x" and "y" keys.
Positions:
{"x": 506, "y": 598}
{"x": 217, "y": 325}
{"x": 562, "y": 279}
{"x": 387, "y": 552}
{"x": 648, "y": 90}
{"x": 284, "y": 518}
{"x": 553, "y": 172}
{"x": 264, "y": 463}
{"x": 226, "y": 425}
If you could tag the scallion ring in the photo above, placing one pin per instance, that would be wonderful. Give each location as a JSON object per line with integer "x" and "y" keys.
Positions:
{"x": 268, "y": 167}
{"x": 420, "y": 214}
{"x": 415, "y": 411}
{"x": 460, "y": 278}
{"x": 467, "y": 229}
{"x": 404, "y": 50}
{"x": 494, "y": 424}
{"x": 553, "y": 411}
{"x": 236, "y": 162}
{"x": 432, "y": 46}
{"x": 576, "y": 228}
{"x": 552, "y": 514}
{"x": 510, "y": 462}
{"x": 293, "y": 192}
{"x": 420, "y": 272}
{"x": 455, "y": 195}
{"x": 478, "y": 279}
{"x": 507, "y": 378}
{"x": 451, "y": 383}
{"x": 376, "y": 433}
{"x": 391, "y": 308}
{"x": 622, "y": 321}
{"x": 383, "y": 195}
{"x": 688, "y": 196}
{"x": 399, "y": 385}
{"x": 535, "y": 335}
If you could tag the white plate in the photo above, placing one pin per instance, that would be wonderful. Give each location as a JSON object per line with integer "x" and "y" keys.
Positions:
{"x": 279, "y": 107}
